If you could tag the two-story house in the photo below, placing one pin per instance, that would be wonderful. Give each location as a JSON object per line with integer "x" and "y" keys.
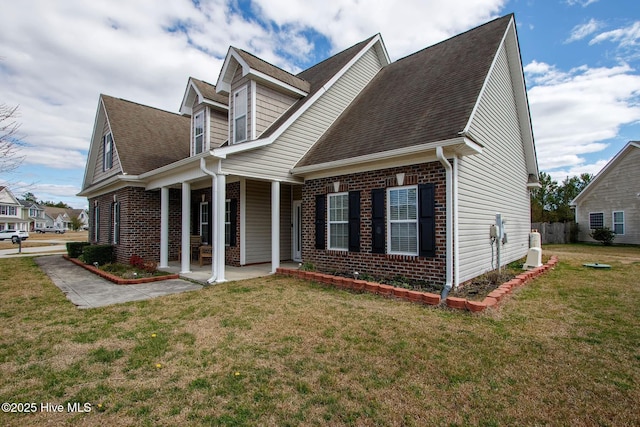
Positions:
{"x": 355, "y": 164}
{"x": 11, "y": 212}
{"x": 33, "y": 213}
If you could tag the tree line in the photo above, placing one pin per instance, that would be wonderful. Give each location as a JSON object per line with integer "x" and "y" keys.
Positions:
{"x": 551, "y": 202}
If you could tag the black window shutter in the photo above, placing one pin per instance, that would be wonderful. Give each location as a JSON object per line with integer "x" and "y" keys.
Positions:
{"x": 377, "y": 221}
{"x": 354, "y": 221}
{"x": 320, "y": 220}
{"x": 195, "y": 219}
{"x": 210, "y": 226}
{"x": 117, "y": 219}
{"x": 233, "y": 213}
{"x": 427, "y": 220}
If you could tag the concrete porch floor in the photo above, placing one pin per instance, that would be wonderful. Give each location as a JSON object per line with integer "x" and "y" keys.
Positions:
{"x": 202, "y": 274}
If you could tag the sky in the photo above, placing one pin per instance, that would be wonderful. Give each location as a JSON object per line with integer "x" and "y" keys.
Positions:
{"x": 581, "y": 61}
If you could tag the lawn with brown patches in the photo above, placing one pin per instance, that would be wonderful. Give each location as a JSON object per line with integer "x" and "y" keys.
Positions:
{"x": 563, "y": 350}
{"x": 42, "y": 239}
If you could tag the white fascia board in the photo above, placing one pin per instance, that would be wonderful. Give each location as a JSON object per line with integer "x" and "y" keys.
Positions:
{"x": 462, "y": 146}
{"x": 246, "y": 146}
{"x": 267, "y": 78}
{"x": 113, "y": 183}
{"x": 223, "y": 85}
{"x": 89, "y": 170}
{"x": 184, "y": 108}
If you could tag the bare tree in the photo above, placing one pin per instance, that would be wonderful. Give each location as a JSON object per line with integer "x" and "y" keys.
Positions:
{"x": 10, "y": 139}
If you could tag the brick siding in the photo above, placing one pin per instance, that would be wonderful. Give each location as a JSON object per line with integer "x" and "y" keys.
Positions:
{"x": 382, "y": 265}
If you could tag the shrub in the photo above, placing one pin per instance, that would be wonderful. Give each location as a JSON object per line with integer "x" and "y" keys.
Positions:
{"x": 136, "y": 261}
{"x": 102, "y": 254}
{"x": 603, "y": 235}
{"x": 74, "y": 249}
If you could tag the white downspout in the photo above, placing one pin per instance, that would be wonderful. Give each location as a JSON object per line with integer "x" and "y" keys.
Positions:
{"x": 449, "y": 219}
{"x": 214, "y": 214}
{"x": 456, "y": 234}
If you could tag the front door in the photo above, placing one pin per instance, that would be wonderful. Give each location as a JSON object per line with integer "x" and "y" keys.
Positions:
{"x": 297, "y": 231}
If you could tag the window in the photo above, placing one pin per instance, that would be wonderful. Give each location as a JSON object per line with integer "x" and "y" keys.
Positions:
{"x": 198, "y": 133}
{"x": 240, "y": 115}
{"x": 339, "y": 221}
{"x": 227, "y": 222}
{"x": 596, "y": 220}
{"x": 107, "y": 145}
{"x": 8, "y": 210}
{"x": 402, "y": 214}
{"x": 115, "y": 223}
{"x": 96, "y": 223}
{"x": 204, "y": 222}
{"x": 618, "y": 222}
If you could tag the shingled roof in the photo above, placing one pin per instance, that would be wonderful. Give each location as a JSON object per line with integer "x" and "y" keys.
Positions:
{"x": 425, "y": 97}
{"x": 208, "y": 91}
{"x": 146, "y": 138}
{"x": 318, "y": 76}
{"x": 271, "y": 70}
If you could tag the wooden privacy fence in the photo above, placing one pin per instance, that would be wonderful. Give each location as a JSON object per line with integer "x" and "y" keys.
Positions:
{"x": 553, "y": 232}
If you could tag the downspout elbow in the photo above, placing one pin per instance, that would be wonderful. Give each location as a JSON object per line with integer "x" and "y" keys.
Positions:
{"x": 449, "y": 218}
{"x": 203, "y": 167}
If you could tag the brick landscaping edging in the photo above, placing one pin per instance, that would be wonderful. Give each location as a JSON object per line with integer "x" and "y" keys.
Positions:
{"x": 491, "y": 300}
{"x": 119, "y": 280}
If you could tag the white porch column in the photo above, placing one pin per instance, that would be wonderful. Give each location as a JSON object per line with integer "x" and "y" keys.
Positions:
{"x": 186, "y": 229}
{"x": 275, "y": 225}
{"x": 164, "y": 227}
{"x": 219, "y": 247}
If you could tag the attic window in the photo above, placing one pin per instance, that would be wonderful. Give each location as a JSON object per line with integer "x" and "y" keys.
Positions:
{"x": 107, "y": 146}
{"x": 240, "y": 115}
{"x": 198, "y": 133}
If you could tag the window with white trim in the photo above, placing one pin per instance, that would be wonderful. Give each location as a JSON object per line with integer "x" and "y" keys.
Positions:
{"x": 338, "y": 221}
{"x": 240, "y": 115}
{"x": 198, "y": 133}
{"x": 618, "y": 222}
{"x": 8, "y": 210}
{"x": 227, "y": 222}
{"x": 402, "y": 220}
{"x": 596, "y": 220}
{"x": 107, "y": 146}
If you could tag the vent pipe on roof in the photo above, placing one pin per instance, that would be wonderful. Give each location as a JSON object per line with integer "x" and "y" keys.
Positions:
{"x": 449, "y": 226}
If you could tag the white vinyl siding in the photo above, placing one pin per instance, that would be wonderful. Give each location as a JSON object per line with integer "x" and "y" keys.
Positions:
{"x": 615, "y": 191}
{"x": 402, "y": 220}
{"x": 596, "y": 220}
{"x": 218, "y": 128}
{"x": 98, "y": 171}
{"x": 338, "y": 221}
{"x": 240, "y": 128}
{"x": 494, "y": 181}
{"x": 618, "y": 222}
{"x": 276, "y": 160}
{"x": 270, "y": 105}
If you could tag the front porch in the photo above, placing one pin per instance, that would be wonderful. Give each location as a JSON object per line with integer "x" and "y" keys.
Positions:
{"x": 202, "y": 274}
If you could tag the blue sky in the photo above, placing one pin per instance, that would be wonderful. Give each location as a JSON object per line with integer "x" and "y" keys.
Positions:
{"x": 581, "y": 60}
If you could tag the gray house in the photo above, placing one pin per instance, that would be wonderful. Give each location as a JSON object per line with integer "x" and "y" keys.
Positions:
{"x": 612, "y": 198}
{"x": 355, "y": 164}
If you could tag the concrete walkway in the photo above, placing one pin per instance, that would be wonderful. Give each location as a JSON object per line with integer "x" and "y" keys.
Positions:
{"x": 87, "y": 290}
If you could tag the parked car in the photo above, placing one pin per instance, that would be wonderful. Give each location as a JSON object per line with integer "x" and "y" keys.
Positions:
{"x": 9, "y": 234}
{"x": 50, "y": 229}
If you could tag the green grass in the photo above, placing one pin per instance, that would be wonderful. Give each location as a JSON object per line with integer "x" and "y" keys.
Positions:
{"x": 564, "y": 350}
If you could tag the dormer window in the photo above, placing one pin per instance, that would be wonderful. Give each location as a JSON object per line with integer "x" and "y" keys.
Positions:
{"x": 240, "y": 115}
{"x": 107, "y": 146}
{"x": 198, "y": 133}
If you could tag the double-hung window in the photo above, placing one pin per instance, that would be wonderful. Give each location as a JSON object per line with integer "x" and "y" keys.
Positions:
{"x": 8, "y": 210}
{"x": 240, "y": 115}
{"x": 618, "y": 222}
{"x": 339, "y": 221}
{"x": 402, "y": 218}
{"x": 596, "y": 220}
{"x": 204, "y": 222}
{"x": 198, "y": 133}
{"x": 107, "y": 146}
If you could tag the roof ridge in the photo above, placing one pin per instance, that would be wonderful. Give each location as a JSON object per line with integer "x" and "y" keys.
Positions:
{"x": 140, "y": 105}
{"x": 268, "y": 63}
{"x": 365, "y": 41}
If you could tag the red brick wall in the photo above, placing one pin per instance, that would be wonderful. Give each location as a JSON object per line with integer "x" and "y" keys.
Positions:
{"x": 383, "y": 265}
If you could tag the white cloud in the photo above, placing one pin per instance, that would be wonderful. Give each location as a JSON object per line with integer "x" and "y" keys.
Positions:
{"x": 579, "y": 32}
{"x": 583, "y": 3}
{"x": 592, "y": 168}
{"x": 625, "y": 37}
{"x": 574, "y": 113}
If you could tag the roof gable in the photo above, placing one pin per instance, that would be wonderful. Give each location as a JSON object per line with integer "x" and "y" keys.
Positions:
{"x": 7, "y": 197}
{"x": 615, "y": 161}
{"x": 260, "y": 70}
{"x": 199, "y": 92}
{"x": 425, "y": 97}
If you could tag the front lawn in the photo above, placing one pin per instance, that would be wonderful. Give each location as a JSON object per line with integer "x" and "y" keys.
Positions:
{"x": 563, "y": 350}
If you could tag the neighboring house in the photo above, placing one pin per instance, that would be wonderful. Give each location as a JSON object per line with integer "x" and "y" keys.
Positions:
{"x": 33, "y": 213}
{"x": 60, "y": 216}
{"x": 82, "y": 215}
{"x": 612, "y": 198}
{"x": 355, "y": 164}
{"x": 11, "y": 212}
